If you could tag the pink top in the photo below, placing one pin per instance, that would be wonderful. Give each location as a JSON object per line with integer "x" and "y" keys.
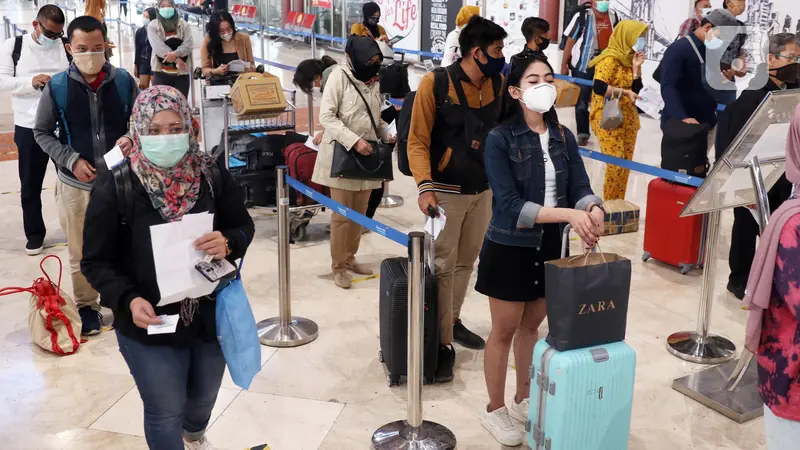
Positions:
{"x": 779, "y": 346}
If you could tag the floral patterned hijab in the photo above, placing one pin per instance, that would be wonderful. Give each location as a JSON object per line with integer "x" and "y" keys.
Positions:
{"x": 172, "y": 191}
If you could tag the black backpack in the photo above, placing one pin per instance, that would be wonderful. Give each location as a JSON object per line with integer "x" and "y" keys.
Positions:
{"x": 123, "y": 182}
{"x": 394, "y": 80}
{"x": 18, "y": 51}
{"x": 684, "y": 147}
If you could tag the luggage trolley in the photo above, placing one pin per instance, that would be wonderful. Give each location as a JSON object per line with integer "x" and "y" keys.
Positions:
{"x": 218, "y": 119}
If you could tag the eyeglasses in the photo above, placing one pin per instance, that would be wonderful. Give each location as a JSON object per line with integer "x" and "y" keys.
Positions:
{"x": 791, "y": 59}
{"x": 51, "y": 34}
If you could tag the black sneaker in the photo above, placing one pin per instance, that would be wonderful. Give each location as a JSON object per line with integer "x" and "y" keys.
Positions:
{"x": 736, "y": 289}
{"x": 444, "y": 368}
{"x": 90, "y": 320}
{"x": 35, "y": 246}
{"x": 467, "y": 338}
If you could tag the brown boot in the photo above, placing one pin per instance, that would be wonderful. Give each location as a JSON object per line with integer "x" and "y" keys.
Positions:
{"x": 343, "y": 280}
{"x": 359, "y": 268}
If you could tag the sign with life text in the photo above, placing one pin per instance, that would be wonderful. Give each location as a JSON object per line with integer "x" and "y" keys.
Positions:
{"x": 401, "y": 18}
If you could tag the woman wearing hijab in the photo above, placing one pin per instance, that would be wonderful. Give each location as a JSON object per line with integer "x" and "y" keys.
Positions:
{"x": 773, "y": 326}
{"x": 346, "y": 119}
{"x": 178, "y": 374}
{"x": 369, "y": 26}
{"x": 171, "y": 39}
{"x": 618, "y": 74}
{"x": 143, "y": 52}
{"x": 452, "y": 50}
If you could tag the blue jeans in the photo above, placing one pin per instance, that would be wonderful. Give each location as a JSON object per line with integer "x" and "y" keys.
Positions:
{"x": 178, "y": 387}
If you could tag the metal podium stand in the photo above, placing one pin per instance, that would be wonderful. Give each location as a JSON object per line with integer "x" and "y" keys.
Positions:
{"x": 751, "y": 165}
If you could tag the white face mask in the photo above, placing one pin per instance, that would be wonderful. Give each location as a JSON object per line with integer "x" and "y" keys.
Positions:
{"x": 705, "y": 11}
{"x": 227, "y": 37}
{"x": 46, "y": 41}
{"x": 540, "y": 98}
{"x": 638, "y": 47}
{"x": 145, "y": 22}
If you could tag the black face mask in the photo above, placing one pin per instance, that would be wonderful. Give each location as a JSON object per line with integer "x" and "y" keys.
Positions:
{"x": 492, "y": 67}
{"x": 544, "y": 44}
{"x": 788, "y": 74}
{"x": 373, "y": 20}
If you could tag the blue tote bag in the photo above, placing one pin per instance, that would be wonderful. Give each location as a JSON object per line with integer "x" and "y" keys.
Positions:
{"x": 237, "y": 333}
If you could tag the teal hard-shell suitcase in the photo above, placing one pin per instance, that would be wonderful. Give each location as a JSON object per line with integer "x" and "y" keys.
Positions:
{"x": 581, "y": 399}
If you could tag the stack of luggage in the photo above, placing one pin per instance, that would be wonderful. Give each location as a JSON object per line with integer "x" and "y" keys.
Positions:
{"x": 583, "y": 373}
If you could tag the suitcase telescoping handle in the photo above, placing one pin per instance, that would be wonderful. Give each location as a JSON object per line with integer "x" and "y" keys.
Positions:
{"x": 565, "y": 242}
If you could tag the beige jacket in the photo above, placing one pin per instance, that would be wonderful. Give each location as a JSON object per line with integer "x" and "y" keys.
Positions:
{"x": 157, "y": 36}
{"x": 344, "y": 117}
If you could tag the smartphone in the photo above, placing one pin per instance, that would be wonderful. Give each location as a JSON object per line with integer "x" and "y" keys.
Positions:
{"x": 215, "y": 270}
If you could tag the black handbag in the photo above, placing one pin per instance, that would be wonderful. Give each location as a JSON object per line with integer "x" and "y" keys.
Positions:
{"x": 376, "y": 166}
{"x": 684, "y": 147}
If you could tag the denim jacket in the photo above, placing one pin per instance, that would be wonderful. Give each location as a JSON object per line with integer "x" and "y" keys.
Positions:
{"x": 515, "y": 167}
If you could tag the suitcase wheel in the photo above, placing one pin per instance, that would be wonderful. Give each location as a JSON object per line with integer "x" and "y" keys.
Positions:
{"x": 686, "y": 268}
{"x": 380, "y": 357}
{"x": 298, "y": 230}
{"x": 393, "y": 380}
{"x": 646, "y": 256}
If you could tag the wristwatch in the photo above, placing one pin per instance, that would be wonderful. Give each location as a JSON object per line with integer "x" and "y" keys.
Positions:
{"x": 228, "y": 250}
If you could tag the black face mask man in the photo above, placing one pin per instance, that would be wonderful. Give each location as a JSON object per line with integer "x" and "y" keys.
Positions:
{"x": 783, "y": 65}
{"x": 365, "y": 57}
{"x": 493, "y": 65}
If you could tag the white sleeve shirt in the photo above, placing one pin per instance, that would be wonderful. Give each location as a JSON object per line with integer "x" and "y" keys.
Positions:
{"x": 34, "y": 59}
{"x": 550, "y": 190}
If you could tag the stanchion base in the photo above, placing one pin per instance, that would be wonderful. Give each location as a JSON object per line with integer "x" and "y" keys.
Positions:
{"x": 399, "y": 435}
{"x": 391, "y": 201}
{"x": 299, "y": 331}
{"x": 709, "y": 387}
{"x": 692, "y": 347}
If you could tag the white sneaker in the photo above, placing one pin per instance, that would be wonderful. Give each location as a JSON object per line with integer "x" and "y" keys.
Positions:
{"x": 501, "y": 427}
{"x": 202, "y": 444}
{"x": 519, "y": 411}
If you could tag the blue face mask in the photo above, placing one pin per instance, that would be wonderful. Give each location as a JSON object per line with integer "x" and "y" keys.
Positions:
{"x": 638, "y": 47}
{"x": 165, "y": 150}
{"x": 492, "y": 67}
{"x": 167, "y": 12}
{"x": 46, "y": 41}
{"x": 603, "y": 6}
{"x": 715, "y": 43}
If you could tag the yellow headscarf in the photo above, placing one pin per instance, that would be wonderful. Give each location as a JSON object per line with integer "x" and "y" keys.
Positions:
{"x": 620, "y": 46}
{"x": 466, "y": 13}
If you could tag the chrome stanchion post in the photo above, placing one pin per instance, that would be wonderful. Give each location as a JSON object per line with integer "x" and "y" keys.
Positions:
{"x": 763, "y": 209}
{"x": 700, "y": 346}
{"x": 263, "y": 40}
{"x": 285, "y": 330}
{"x": 225, "y": 124}
{"x": 311, "y": 96}
{"x": 119, "y": 41}
{"x": 388, "y": 200}
{"x": 414, "y": 433}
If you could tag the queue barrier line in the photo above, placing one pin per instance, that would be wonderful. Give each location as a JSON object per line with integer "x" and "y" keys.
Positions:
{"x": 350, "y": 214}
{"x": 642, "y": 168}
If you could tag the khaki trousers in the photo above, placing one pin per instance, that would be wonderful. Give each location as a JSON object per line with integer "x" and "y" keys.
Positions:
{"x": 346, "y": 234}
{"x": 72, "y": 203}
{"x": 457, "y": 247}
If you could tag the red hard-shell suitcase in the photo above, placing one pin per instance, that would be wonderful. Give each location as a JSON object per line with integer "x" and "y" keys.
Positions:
{"x": 301, "y": 160}
{"x": 668, "y": 237}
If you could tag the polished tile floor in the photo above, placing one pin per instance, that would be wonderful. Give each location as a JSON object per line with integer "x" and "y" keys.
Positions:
{"x": 332, "y": 393}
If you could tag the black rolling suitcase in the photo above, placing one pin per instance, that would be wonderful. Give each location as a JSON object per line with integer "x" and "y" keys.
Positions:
{"x": 394, "y": 321}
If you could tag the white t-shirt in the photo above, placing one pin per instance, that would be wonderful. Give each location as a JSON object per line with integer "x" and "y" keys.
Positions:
{"x": 451, "y": 49}
{"x": 550, "y": 192}
{"x": 34, "y": 59}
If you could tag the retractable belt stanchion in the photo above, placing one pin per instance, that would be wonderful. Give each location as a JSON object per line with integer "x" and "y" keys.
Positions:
{"x": 285, "y": 330}
{"x": 388, "y": 200}
{"x": 414, "y": 433}
{"x": 700, "y": 346}
{"x": 263, "y": 34}
{"x": 311, "y": 96}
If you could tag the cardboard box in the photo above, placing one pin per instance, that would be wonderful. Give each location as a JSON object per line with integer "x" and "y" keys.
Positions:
{"x": 622, "y": 216}
{"x": 568, "y": 94}
{"x": 257, "y": 94}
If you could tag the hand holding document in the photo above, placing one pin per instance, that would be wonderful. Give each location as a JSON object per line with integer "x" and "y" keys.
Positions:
{"x": 114, "y": 157}
{"x": 238, "y": 66}
{"x": 174, "y": 256}
{"x": 435, "y": 225}
{"x": 651, "y": 102}
{"x": 310, "y": 143}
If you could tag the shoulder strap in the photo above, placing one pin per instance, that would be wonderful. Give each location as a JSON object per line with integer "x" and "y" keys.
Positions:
{"x": 65, "y": 41}
{"x": 369, "y": 110}
{"x": 497, "y": 85}
{"x": 124, "y": 187}
{"x": 17, "y": 52}
{"x": 696, "y": 51}
{"x": 462, "y": 97}
{"x": 58, "y": 91}
{"x": 122, "y": 81}
{"x": 216, "y": 179}
{"x": 441, "y": 85}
